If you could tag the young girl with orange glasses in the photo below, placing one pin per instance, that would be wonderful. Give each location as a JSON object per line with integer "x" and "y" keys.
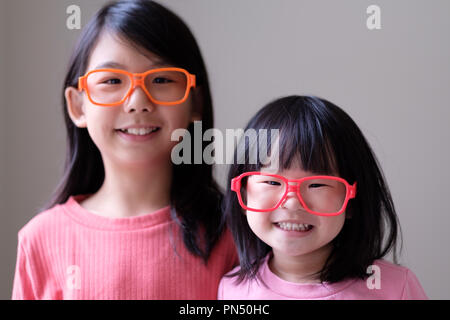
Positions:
{"x": 124, "y": 222}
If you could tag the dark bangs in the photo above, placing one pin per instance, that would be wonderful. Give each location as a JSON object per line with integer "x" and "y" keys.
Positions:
{"x": 305, "y": 134}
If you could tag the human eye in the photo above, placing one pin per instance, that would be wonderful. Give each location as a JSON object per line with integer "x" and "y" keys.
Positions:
{"x": 316, "y": 185}
{"x": 107, "y": 78}
{"x": 271, "y": 182}
{"x": 112, "y": 81}
{"x": 162, "y": 80}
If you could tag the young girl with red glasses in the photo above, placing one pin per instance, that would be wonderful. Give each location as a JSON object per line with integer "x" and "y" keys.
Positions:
{"x": 125, "y": 222}
{"x": 318, "y": 226}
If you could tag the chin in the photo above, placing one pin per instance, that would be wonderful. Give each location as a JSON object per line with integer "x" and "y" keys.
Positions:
{"x": 140, "y": 161}
{"x": 293, "y": 252}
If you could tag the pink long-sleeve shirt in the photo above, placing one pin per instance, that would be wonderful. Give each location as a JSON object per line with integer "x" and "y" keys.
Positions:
{"x": 67, "y": 252}
{"x": 386, "y": 281}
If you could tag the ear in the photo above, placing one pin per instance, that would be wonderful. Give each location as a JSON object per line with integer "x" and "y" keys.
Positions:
{"x": 197, "y": 104}
{"x": 74, "y": 101}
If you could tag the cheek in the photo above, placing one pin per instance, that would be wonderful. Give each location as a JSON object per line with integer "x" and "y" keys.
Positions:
{"x": 100, "y": 124}
{"x": 330, "y": 227}
{"x": 259, "y": 223}
{"x": 178, "y": 116}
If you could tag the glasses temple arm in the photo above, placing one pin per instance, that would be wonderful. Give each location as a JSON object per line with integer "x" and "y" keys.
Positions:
{"x": 235, "y": 184}
{"x": 352, "y": 191}
{"x": 81, "y": 83}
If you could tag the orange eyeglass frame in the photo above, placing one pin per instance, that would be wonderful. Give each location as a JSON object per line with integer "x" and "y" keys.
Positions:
{"x": 137, "y": 79}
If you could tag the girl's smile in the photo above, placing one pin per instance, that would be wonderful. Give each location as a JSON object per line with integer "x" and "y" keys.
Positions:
{"x": 290, "y": 229}
{"x": 322, "y": 214}
{"x": 130, "y": 130}
{"x": 294, "y": 228}
{"x": 136, "y": 132}
{"x": 294, "y": 234}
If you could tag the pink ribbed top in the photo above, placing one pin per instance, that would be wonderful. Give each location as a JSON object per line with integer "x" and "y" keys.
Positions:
{"x": 394, "y": 282}
{"x": 67, "y": 252}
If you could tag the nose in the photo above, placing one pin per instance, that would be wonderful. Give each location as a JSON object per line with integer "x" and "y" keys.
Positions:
{"x": 292, "y": 200}
{"x": 138, "y": 101}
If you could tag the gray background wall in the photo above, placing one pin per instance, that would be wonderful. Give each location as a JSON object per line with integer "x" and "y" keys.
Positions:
{"x": 394, "y": 82}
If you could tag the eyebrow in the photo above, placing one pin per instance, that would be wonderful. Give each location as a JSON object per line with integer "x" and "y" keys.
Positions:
{"x": 117, "y": 65}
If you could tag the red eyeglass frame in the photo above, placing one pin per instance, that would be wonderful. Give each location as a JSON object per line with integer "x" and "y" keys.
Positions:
{"x": 350, "y": 191}
{"x": 137, "y": 79}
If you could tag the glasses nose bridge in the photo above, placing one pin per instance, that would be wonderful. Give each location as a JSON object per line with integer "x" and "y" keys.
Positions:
{"x": 293, "y": 187}
{"x": 138, "y": 79}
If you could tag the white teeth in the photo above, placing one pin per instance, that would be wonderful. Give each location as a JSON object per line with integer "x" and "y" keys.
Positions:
{"x": 139, "y": 131}
{"x": 294, "y": 226}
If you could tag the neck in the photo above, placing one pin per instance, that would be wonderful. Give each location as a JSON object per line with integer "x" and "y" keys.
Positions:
{"x": 302, "y": 268}
{"x": 131, "y": 191}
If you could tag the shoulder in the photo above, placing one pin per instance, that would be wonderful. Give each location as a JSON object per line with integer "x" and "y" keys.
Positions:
{"x": 229, "y": 288}
{"x": 44, "y": 223}
{"x": 394, "y": 281}
{"x": 392, "y": 273}
{"x": 254, "y": 288}
{"x": 250, "y": 288}
{"x": 388, "y": 269}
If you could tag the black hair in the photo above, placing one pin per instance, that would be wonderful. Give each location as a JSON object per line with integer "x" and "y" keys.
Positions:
{"x": 195, "y": 196}
{"x": 325, "y": 140}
